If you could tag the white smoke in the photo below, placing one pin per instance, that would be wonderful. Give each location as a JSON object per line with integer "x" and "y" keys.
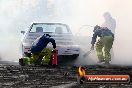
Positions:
{"x": 17, "y": 15}
{"x": 14, "y": 15}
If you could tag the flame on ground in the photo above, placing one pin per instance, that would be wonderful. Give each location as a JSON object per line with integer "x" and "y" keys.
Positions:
{"x": 81, "y": 71}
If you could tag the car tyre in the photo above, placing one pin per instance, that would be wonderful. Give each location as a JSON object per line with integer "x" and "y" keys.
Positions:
{"x": 21, "y": 62}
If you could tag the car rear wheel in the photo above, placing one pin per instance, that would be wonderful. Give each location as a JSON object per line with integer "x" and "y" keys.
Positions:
{"x": 75, "y": 56}
{"x": 21, "y": 62}
{"x": 67, "y": 59}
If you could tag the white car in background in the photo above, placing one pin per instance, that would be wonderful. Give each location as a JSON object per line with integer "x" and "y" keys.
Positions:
{"x": 60, "y": 32}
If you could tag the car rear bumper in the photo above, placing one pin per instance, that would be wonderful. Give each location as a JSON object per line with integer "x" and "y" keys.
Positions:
{"x": 62, "y": 50}
{"x": 68, "y": 51}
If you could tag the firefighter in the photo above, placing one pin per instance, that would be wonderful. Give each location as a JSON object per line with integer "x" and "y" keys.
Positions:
{"x": 39, "y": 49}
{"x": 106, "y": 38}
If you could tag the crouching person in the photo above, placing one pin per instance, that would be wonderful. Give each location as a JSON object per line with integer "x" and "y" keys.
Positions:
{"x": 39, "y": 50}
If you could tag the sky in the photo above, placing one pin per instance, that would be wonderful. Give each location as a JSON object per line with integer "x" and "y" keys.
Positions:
{"x": 17, "y": 15}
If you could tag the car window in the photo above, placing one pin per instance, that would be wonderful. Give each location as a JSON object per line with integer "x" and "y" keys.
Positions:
{"x": 53, "y": 28}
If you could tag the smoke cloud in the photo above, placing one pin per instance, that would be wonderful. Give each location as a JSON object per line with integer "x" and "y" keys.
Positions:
{"x": 17, "y": 15}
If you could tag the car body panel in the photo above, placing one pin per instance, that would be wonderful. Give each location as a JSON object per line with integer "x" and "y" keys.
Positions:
{"x": 64, "y": 41}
